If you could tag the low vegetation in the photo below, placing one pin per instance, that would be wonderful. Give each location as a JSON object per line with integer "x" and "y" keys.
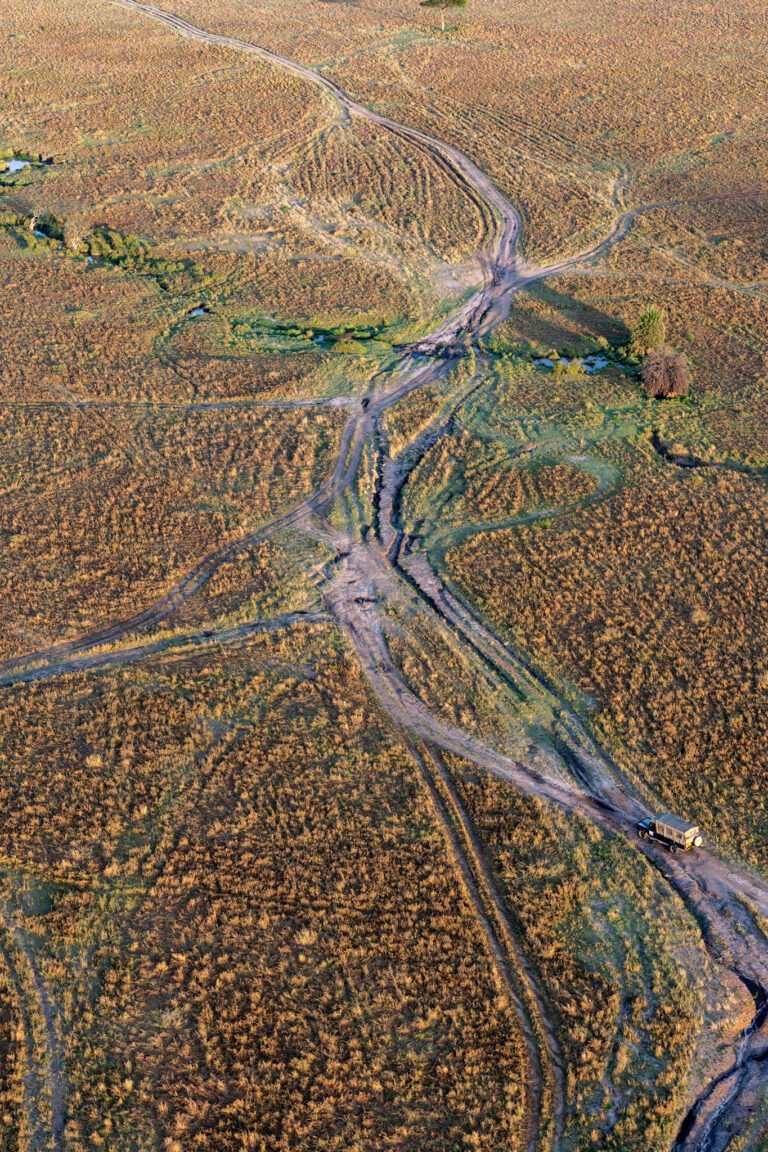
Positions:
{"x": 606, "y": 937}
{"x": 230, "y": 917}
{"x": 649, "y": 332}
{"x": 468, "y": 481}
{"x": 650, "y": 602}
{"x": 251, "y": 865}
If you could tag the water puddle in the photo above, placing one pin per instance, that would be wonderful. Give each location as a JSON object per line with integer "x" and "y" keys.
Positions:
{"x": 17, "y": 165}
{"x": 590, "y": 364}
{"x": 201, "y": 311}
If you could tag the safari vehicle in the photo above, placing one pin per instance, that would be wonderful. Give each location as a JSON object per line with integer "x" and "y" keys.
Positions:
{"x": 675, "y": 834}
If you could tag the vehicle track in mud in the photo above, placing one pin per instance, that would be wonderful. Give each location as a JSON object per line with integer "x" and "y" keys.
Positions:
{"x": 714, "y": 891}
{"x": 367, "y": 573}
{"x": 517, "y": 979}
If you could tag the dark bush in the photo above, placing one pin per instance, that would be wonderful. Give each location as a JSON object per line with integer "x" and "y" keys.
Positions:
{"x": 665, "y": 374}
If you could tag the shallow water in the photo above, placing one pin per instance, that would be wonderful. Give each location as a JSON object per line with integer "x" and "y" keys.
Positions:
{"x": 590, "y": 364}
{"x": 17, "y": 165}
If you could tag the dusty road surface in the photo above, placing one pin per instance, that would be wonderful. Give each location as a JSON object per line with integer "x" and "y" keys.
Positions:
{"x": 375, "y": 569}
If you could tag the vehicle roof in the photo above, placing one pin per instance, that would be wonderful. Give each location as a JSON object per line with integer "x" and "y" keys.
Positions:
{"x": 676, "y": 822}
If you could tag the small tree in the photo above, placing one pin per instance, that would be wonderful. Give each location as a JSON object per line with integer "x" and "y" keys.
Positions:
{"x": 650, "y": 331}
{"x": 442, "y": 5}
{"x": 665, "y": 373}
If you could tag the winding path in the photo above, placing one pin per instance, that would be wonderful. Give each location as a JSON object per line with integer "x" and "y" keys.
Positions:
{"x": 367, "y": 573}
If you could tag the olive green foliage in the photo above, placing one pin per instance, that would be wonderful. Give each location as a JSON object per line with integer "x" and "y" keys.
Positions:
{"x": 442, "y": 5}
{"x": 650, "y": 331}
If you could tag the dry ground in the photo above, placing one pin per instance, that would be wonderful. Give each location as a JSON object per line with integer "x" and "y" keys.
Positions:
{"x": 240, "y": 899}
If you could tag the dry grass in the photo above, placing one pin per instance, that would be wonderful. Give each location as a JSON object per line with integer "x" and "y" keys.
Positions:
{"x": 283, "y": 205}
{"x": 466, "y": 481}
{"x": 553, "y": 102}
{"x": 251, "y": 865}
{"x": 224, "y": 862}
{"x": 621, "y": 963}
{"x": 652, "y": 603}
{"x": 105, "y": 504}
{"x": 90, "y": 540}
{"x": 11, "y": 1062}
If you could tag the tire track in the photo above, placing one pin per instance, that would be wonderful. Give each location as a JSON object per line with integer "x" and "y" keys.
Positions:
{"x": 714, "y": 892}
{"x": 552, "y": 1073}
{"x": 512, "y": 974}
{"x": 181, "y": 645}
{"x": 45, "y": 1078}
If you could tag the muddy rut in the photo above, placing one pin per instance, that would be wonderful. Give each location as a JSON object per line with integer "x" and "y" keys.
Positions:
{"x": 374, "y": 568}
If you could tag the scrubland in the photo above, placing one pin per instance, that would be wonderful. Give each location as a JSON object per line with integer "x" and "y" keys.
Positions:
{"x": 555, "y": 103}
{"x": 652, "y": 603}
{"x": 622, "y": 968}
{"x": 222, "y": 867}
{"x": 100, "y": 514}
{"x": 249, "y": 862}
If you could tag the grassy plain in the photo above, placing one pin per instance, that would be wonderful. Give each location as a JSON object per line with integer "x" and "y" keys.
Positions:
{"x": 555, "y": 103}
{"x": 117, "y": 475}
{"x": 619, "y": 961}
{"x": 232, "y": 919}
{"x": 249, "y": 914}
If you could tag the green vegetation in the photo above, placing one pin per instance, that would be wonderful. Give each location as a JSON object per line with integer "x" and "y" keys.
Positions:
{"x": 650, "y": 331}
{"x": 619, "y": 959}
{"x": 237, "y": 912}
{"x": 443, "y": 5}
{"x": 239, "y": 888}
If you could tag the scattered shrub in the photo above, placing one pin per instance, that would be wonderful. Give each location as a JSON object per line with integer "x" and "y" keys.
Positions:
{"x": 650, "y": 331}
{"x": 665, "y": 374}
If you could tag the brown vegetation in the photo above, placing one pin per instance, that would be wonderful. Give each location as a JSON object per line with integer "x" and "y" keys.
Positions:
{"x": 621, "y": 967}
{"x": 464, "y": 480}
{"x": 286, "y": 959}
{"x": 665, "y": 373}
{"x": 553, "y": 102}
{"x": 96, "y": 528}
{"x": 12, "y": 1053}
{"x": 223, "y": 861}
{"x": 652, "y": 602}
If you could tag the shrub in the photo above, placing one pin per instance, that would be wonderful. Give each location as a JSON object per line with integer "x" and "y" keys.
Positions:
{"x": 650, "y": 331}
{"x": 50, "y": 226}
{"x": 665, "y": 374}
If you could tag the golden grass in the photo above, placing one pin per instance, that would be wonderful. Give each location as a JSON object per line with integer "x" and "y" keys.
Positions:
{"x": 92, "y": 544}
{"x": 554, "y": 102}
{"x": 225, "y": 863}
{"x": 622, "y": 966}
{"x": 114, "y": 483}
{"x": 466, "y": 481}
{"x": 279, "y": 953}
{"x": 651, "y": 602}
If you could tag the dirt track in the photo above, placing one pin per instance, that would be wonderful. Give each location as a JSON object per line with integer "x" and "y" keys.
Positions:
{"x": 366, "y": 575}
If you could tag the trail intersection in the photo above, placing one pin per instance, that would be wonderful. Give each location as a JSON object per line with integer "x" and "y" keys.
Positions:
{"x": 377, "y": 565}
